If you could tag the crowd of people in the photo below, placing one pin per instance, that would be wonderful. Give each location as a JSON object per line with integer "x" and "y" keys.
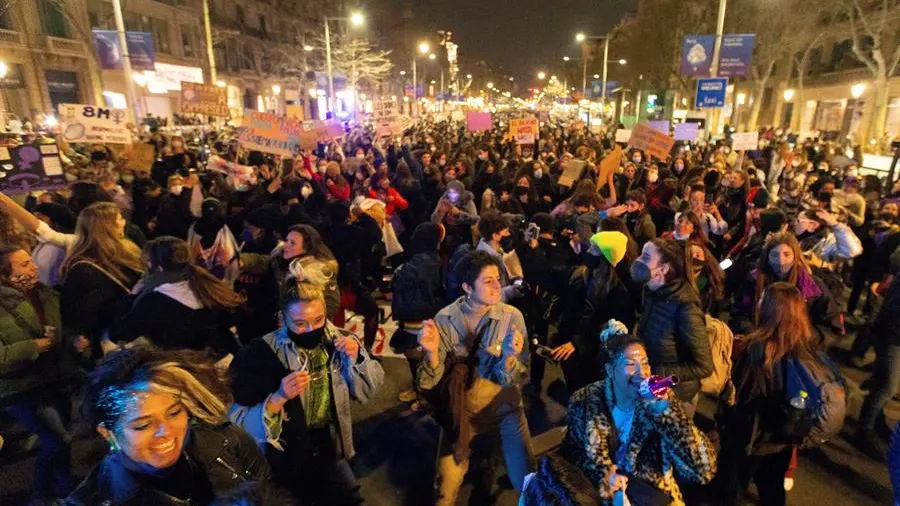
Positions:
{"x": 193, "y": 311}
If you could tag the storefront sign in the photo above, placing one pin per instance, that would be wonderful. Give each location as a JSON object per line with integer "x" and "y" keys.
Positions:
{"x": 109, "y": 51}
{"x": 524, "y": 130}
{"x": 169, "y": 77}
{"x": 735, "y": 56}
{"x": 205, "y": 99}
{"x": 711, "y": 92}
{"x": 696, "y": 55}
{"x": 651, "y": 141}
{"x": 26, "y": 168}
{"x": 94, "y": 123}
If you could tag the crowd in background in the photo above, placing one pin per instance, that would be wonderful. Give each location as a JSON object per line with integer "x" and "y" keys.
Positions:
{"x": 193, "y": 310}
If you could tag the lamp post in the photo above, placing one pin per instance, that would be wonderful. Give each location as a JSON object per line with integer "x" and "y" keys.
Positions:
{"x": 423, "y": 48}
{"x": 126, "y": 60}
{"x": 356, "y": 19}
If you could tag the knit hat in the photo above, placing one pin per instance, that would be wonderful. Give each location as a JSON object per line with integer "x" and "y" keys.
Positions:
{"x": 771, "y": 220}
{"x": 544, "y": 221}
{"x": 426, "y": 237}
{"x": 612, "y": 244}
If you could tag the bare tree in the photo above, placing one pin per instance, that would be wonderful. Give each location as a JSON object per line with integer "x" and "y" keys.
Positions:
{"x": 801, "y": 66}
{"x": 879, "y": 21}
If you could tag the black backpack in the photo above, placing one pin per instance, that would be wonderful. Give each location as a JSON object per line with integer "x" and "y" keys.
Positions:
{"x": 411, "y": 298}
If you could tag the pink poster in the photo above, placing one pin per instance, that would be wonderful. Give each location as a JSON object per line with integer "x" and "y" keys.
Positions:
{"x": 479, "y": 121}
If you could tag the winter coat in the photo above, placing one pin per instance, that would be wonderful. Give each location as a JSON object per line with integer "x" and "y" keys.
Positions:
{"x": 227, "y": 456}
{"x": 22, "y": 368}
{"x": 256, "y": 373}
{"x": 673, "y": 329}
{"x": 88, "y": 298}
{"x": 398, "y": 204}
{"x": 429, "y": 280}
{"x": 659, "y": 447}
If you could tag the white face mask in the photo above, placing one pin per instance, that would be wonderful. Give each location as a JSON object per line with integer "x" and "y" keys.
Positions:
{"x": 538, "y": 174}
{"x": 636, "y": 159}
{"x": 176, "y": 189}
{"x": 127, "y": 178}
{"x": 653, "y": 177}
{"x": 360, "y": 157}
{"x": 306, "y": 191}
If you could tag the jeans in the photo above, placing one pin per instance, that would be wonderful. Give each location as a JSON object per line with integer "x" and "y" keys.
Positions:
{"x": 887, "y": 380}
{"x": 506, "y": 422}
{"x": 52, "y": 468}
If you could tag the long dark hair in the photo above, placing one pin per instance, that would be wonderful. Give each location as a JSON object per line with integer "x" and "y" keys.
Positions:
{"x": 172, "y": 254}
{"x": 313, "y": 243}
{"x": 783, "y": 328}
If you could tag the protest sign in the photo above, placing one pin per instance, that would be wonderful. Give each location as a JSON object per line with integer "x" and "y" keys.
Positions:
{"x": 141, "y": 157}
{"x": 479, "y": 121}
{"x": 744, "y": 140}
{"x": 94, "y": 123}
{"x": 660, "y": 126}
{"x": 687, "y": 131}
{"x": 623, "y": 135}
{"x": 386, "y": 116}
{"x": 524, "y": 130}
{"x": 572, "y": 171}
{"x": 652, "y": 142}
{"x": 312, "y": 132}
{"x": 270, "y": 133}
{"x": 205, "y": 99}
{"x": 609, "y": 164}
{"x": 26, "y": 168}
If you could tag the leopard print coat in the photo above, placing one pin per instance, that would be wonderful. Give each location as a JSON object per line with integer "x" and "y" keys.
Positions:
{"x": 660, "y": 446}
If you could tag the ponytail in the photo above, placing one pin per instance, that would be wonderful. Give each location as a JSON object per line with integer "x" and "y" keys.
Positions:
{"x": 212, "y": 292}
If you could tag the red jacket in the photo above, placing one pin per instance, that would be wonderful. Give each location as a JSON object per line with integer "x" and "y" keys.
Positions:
{"x": 397, "y": 203}
{"x": 335, "y": 192}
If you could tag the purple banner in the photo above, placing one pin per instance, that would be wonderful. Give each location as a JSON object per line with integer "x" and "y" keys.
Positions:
{"x": 109, "y": 51}
{"x": 696, "y": 55}
{"x": 736, "y": 54}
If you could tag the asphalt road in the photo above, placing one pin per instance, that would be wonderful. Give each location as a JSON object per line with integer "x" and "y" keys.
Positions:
{"x": 396, "y": 449}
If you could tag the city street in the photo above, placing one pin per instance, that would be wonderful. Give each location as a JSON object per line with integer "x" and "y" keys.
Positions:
{"x": 395, "y": 459}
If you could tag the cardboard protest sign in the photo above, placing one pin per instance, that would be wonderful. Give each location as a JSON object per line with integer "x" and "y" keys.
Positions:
{"x": 623, "y": 135}
{"x": 479, "y": 121}
{"x": 524, "y": 130}
{"x": 270, "y": 134}
{"x": 311, "y": 132}
{"x": 660, "y": 125}
{"x": 609, "y": 164}
{"x": 744, "y": 141}
{"x": 26, "y": 168}
{"x": 141, "y": 157}
{"x": 205, "y": 99}
{"x": 386, "y": 116}
{"x": 572, "y": 171}
{"x": 651, "y": 141}
{"x": 94, "y": 123}
{"x": 687, "y": 131}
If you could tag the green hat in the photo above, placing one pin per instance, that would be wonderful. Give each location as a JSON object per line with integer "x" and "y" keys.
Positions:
{"x": 613, "y": 245}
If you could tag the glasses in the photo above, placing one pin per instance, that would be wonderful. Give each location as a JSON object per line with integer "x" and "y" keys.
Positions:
{"x": 319, "y": 373}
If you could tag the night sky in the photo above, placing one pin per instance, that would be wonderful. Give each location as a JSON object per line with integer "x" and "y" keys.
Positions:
{"x": 522, "y": 36}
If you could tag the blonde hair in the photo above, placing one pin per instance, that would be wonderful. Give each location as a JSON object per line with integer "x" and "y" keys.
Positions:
{"x": 96, "y": 241}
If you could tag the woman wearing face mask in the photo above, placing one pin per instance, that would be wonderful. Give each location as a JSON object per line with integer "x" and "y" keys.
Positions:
{"x": 672, "y": 323}
{"x": 380, "y": 188}
{"x": 101, "y": 267}
{"x": 750, "y": 448}
{"x": 527, "y": 196}
{"x": 688, "y": 229}
{"x": 31, "y": 386}
{"x": 793, "y": 184}
{"x": 180, "y": 159}
{"x": 456, "y": 211}
{"x": 174, "y": 217}
{"x": 628, "y": 445}
{"x": 733, "y": 204}
{"x": 162, "y": 416}
{"x": 708, "y": 277}
{"x": 782, "y": 260}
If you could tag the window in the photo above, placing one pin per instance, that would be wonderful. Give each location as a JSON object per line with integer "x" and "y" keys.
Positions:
{"x": 62, "y": 87}
{"x": 53, "y": 19}
{"x": 160, "y": 31}
{"x": 188, "y": 38}
{"x": 262, "y": 26}
{"x": 246, "y": 57}
{"x": 240, "y": 14}
{"x": 100, "y": 14}
{"x": 5, "y": 18}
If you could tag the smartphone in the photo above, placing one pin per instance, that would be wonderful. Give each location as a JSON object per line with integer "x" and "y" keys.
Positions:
{"x": 518, "y": 282}
{"x": 532, "y": 232}
{"x": 725, "y": 264}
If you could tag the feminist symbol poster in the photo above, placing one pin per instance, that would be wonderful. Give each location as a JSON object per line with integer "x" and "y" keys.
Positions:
{"x": 27, "y": 168}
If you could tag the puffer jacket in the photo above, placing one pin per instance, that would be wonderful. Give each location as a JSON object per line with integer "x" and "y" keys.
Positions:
{"x": 226, "y": 454}
{"x": 673, "y": 329}
{"x": 22, "y": 369}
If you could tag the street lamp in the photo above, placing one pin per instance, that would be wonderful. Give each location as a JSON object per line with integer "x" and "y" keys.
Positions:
{"x": 432, "y": 56}
{"x": 355, "y": 19}
{"x": 4, "y": 69}
{"x": 623, "y": 61}
{"x": 788, "y": 95}
{"x": 468, "y": 76}
{"x": 307, "y": 48}
{"x": 402, "y": 72}
{"x": 596, "y": 76}
{"x": 276, "y": 89}
{"x": 741, "y": 98}
{"x": 580, "y": 37}
{"x": 490, "y": 85}
{"x": 424, "y": 48}
{"x": 541, "y": 76}
{"x": 857, "y": 90}
{"x": 566, "y": 58}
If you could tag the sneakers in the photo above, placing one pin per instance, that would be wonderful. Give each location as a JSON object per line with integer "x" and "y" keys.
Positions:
{"x": 407, "y": 396}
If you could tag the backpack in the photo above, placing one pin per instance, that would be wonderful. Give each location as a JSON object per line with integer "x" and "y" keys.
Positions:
{"x": 454, "y": 285}
{"x": 412, "y": 301}
{"x": 826, "y": 404}
{"x": 721, "y": 343}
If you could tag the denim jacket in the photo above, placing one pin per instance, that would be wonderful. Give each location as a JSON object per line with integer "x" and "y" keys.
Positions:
{"x": 358, "y": 380}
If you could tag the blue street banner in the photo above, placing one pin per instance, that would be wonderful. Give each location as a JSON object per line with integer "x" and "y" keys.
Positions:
{"x": 736, "y": 54}
{"x": 109, "y": 51}
{"x": 696, "y": 55}
{"x": 595, "y": 91}
{"x": 711, "y": 92}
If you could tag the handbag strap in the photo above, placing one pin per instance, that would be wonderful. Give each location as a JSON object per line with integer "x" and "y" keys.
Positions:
{"x": 104, "y": 271}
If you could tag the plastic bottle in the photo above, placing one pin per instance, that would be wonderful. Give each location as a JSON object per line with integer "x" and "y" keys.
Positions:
{"x": 799, "y": 402}
{"x": 543, "y": 351}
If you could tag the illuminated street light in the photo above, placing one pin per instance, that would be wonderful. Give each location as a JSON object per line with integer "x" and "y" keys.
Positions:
{"x": 580, "y": 37}
{"x": 468, "y": 76}
{"x": 511, "y": 79}
{"x": 857, "y": 90}
{"x": 433, "y": 81}
{"x": 424, "y": 48}
{"x": 623, "y": 61}
{"x": 788, "y": 95}
{"x": 4, "y": 69}
{"x": 541, "y": 76}
{"x": 307, "y": 48}
{"x": 220, "y": 83}
{"x": 566, "y": 58}
{"x": 596, "y": 76}
{"x": 276, "y": 89}
{"x": 432, "y": 56}
{"x": 402, "y": 72}
{"x": 357, "y": 19}
{"x": 741, "y": 98}
{"x": 490, "y": 85}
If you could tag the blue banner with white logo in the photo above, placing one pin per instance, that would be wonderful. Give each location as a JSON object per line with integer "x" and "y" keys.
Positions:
{"x": 110, "y": 54}
{"x": 696, "y": 55}
{"x": 736, "y": 54}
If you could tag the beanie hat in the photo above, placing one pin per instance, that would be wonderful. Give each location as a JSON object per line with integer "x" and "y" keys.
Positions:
{"x": 544, "y": 221}
{"x": 771, "y": 220}
{"x": 612, "y": 244}
{"x": 426, "y": 237}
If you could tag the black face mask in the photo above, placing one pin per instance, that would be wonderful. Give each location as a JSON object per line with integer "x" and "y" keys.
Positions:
{"x": 307, "y": 340}
{"x": 98, "y": 156}
{"x": 507, "y": 243}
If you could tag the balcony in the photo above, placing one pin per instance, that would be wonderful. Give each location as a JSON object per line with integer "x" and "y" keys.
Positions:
{"x": 65, "y": 46}
{"x": 10, "y": 37}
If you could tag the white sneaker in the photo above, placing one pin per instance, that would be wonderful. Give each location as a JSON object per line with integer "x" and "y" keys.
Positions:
{"x": 788, "y": 484}
{"x": 1, "y": 443}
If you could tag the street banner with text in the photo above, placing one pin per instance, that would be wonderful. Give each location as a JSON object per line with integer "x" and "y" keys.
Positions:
{"x": 205, "y": 99}
{"x": 94, "y": 123}
{"x": 110, "y": 54}
{"x": 696, "y": 55}
{"x": 27, "y": 168}
{"x": 651, "y": 141}
{"x": 735, "y": 56}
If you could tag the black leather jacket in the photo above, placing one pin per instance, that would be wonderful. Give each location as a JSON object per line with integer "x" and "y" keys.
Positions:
{"x": 226, "y": 453}
{"x": 673, "y": 329}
